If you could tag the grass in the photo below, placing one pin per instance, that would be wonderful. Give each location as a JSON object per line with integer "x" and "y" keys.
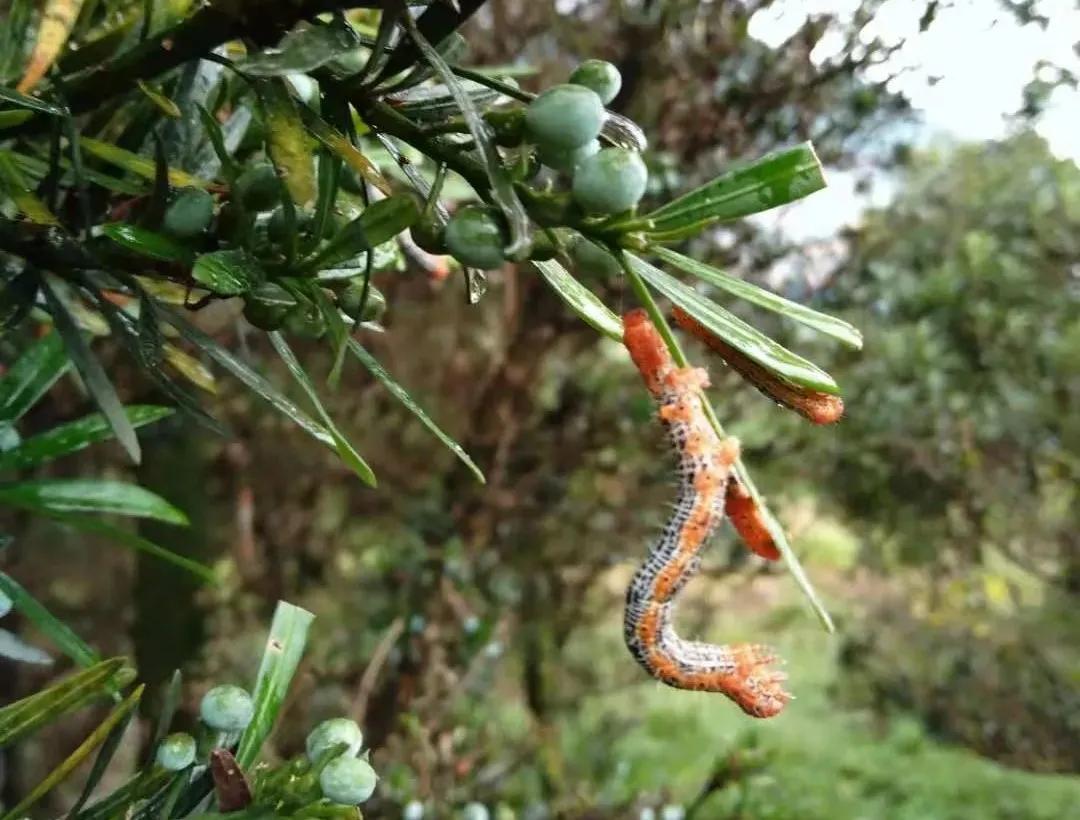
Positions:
{"x": 816, "y": 760}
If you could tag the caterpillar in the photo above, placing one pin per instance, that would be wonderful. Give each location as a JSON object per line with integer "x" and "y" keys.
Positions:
{"x": 740, "y": 671}
{"x": 815, "y": 406}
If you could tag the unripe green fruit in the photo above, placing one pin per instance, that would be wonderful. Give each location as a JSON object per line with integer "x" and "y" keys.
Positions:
{"x": 347, "y": 780}
{"x": 593, "y": 260}
{"x": 568, "y": 159}
{"x": 542, "y": 247}
{"x": 611, "y": 181}
{"x": 565, "y": 116}
{"x": 428, "y": 235}
{"x": 508, "y": 124}
{"x": 227, "y": 708}
{"x": 334, "y": 732}
{"x": 189, "y": 214}
{"x": 258, "y": 188}
{"x": 176, "y": 752}
{"x": 349, "y": 301}
{"x": 600, "y": 76}
{"x": 475, "y": 237}
{"x": 306, "y": 321}
{"x": 267, "y": 304}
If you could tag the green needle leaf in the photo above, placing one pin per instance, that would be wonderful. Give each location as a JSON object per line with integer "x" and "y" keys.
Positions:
{"x": 821, "y": 322}
{"x": 399, "y": 392}
{"x": 773, "y": 180}
{"x": 735, "y": 331}
{"x": 31, "y": 376}
{"x": 64, "y": 495}
{"x": 284, "y": 648}
{"x": 76, "y": 758}
{"x": 52, "y": 627}
{"x": 74, "y": 436}
{"x": 93, "y": 374}
{"x": 345, "y": 450}
{"x": 580, "y": 299}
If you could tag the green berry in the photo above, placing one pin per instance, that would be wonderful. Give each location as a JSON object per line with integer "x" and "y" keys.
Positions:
{"x": 331, "y": 733}
{"x": 267, "y": 304}
{"x": 475, "y": 237}
{"x": 347, "y": 780}
{"x": 428, "y": 235}
{"x": 565, "y": 116}
{"x": 611, "y": 181}
{"x": 600, "y": 76}
{"x": 189, "y": 214}
{"x": 306, "y": 321}
{"x": 227, "y": 708}
{"x": 568, "y": 159}
{"x": 176, "y": 752}
{"x": 350, "y": 298}
{"x": 258, "y": 188}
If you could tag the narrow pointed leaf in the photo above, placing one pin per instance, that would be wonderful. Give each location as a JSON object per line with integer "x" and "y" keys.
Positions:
{"x": 29, "y": 103}
{"x": 136, "y": 164}
{"x": 342, "y": 147}
{"x": 244, "y": 372}
{"x": 92, "y": 373}
{"x": 16, "y": 187}
{"x": 344, "y": 448}
{"x": 55, "y": 25}
{"x": 74, "y": 436}
{"x": 52, "y": 627}
{"x": 98, "y": 680}
{"x": 228, "y": 273}
{"x": 821, "y": 322}
{"x": 76, "y": 758}
{"x": 380, "y": 222}
{"x": 33, "y": 373}
{"x": 402, "y": 395}
{"x": 63, "y": 495}
{"x": 104, "y": 757}
{"x": 734, "y": 330}
{"x": 147, "y": 243}
{"x": 128, "y": 539}
{"x": 287, "y": 140}
{"x": 284, "y": 648}
{"x": 581, "y": 300}
{"x": 773, "y": 180}
{"x": 163, "y": 103}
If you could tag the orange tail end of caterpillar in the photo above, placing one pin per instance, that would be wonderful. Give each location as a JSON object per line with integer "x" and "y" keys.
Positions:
{"x": 813, "y": 405}
{"x": 749, "y": 523}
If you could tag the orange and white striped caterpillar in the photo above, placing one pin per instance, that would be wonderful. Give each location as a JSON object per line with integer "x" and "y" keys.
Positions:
{"x": 740, "y": 671}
